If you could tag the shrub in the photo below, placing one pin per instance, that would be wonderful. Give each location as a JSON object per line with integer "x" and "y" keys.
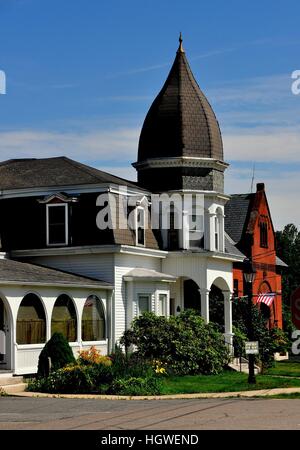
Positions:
{"x": 60, "y": 353}
{"x": 129, "y": 364}
{"x": 239, "y": 339}
{"x": 270, "y": 340}
{"x": 70, "y": 379}
{"x": 150, "y": 385}
{"x": 280, "y": 340}
{"x": 101, "y": 375}
{"x": 184, "y": 343}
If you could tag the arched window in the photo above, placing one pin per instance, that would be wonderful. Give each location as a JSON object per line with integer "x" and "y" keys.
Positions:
{"x": 263, "y": 226}
{"x": 31, "y": 321}
{"x": 93, "y": 320}
{"x": 64, "y": 319}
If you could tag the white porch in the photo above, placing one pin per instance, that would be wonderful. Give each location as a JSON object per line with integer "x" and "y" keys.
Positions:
{"x": 199, "y": 279}
{"x": 22, "y": 337}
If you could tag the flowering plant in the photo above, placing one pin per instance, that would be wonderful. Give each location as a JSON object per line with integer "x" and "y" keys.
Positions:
{"x": 159, "y": 368}
{"x": 93, "y": 356}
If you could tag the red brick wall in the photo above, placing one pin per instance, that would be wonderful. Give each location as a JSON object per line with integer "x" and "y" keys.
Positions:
{"x": 266, "y": 280}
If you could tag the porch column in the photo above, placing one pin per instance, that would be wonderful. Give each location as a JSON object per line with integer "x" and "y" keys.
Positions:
{"x": 110, "y": 320}
{"x": 205, "y": 304}
{"x": 228, "y": 335}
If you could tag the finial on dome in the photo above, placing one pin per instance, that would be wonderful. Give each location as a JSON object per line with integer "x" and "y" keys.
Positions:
{"x": 180, "y": 48}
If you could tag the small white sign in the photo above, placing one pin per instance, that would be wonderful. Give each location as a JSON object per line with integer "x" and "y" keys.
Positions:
{"x": 251, "y": 348}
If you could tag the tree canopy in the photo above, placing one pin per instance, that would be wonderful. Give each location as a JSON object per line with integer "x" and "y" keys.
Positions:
{"x": 288, "y": 249}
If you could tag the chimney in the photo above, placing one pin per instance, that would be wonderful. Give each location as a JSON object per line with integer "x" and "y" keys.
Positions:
{"x": 260, "y": 187}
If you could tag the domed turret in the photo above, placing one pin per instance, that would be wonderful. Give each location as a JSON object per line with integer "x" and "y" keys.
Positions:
{"x": 180, "y": 141}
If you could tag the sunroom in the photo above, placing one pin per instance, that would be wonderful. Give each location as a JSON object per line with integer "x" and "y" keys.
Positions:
{"x": 36, "y": 301}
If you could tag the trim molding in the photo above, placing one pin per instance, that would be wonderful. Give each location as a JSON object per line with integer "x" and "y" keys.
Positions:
{"x": 55, "y": 284}
{"x": 182, "y": 161}
{"x": 83, "y": 250}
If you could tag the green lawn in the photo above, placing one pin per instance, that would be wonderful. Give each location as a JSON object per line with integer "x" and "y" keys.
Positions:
{"x": 285, "y": 368}
{"x": 225, "y": 382}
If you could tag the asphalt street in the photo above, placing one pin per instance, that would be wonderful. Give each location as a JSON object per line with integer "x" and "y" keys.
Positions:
{"x": 196, "y": 414}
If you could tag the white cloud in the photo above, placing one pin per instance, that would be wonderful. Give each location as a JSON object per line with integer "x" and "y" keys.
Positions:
{"x": 264, "y": 90}
{"x": 117, "y": 145}
{"x": 282, "y": 192}
{"x": 128, "y": 172}
{"x": 269, "y": 145}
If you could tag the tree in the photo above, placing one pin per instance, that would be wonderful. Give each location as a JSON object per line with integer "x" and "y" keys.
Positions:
{"x": 288, "y": 249}
{"x": 269, "y": 340}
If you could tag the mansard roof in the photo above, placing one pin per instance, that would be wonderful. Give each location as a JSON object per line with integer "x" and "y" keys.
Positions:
{"x": 180, "y": 121}
{"x": 52, "y": 172}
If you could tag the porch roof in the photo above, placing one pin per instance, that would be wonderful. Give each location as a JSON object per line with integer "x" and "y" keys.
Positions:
{"x": 149, "y": 275}
{"x": 16, "y": 272}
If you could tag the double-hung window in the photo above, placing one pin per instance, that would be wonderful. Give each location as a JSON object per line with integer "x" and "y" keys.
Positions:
{"x": 162, "y": 304}
{"x": 57, "y": 223}
{"x": 143, "y": 304}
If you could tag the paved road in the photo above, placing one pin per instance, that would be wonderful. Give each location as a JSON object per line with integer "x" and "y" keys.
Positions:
{"x": 75, "y": 414}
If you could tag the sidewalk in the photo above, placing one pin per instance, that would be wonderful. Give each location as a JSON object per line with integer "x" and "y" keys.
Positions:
{"x": 254, "y": 393}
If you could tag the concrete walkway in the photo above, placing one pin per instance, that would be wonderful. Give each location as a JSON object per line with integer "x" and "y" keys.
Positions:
{"x": 253, "y": 393}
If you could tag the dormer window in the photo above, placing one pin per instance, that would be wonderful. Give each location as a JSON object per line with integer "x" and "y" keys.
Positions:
{"x": 263, "y": 228}
{"x": 140, "y": 225}
{"x": 57, "y": 223}
{"x": 57, "y": 218}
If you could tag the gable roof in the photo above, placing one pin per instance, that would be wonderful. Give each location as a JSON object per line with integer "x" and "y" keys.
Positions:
{"x": 52, "y": 172}
{"x": 20, "y": 272}
{"x": 236, "y": 212}
{"x": 231, "y": 248}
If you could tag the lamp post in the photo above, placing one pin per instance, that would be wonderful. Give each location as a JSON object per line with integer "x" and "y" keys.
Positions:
{"x": 249, "y": 274}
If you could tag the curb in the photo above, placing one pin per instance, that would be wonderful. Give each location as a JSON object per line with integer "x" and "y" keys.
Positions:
{"x": 240, "y": 394}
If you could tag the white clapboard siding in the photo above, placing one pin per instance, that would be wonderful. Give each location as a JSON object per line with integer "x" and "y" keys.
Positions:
{"x": 96, "y": 266}
{"x": 123, "y": 264}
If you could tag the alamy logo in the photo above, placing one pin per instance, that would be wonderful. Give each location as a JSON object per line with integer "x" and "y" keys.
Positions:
{"x": 2, "y": 82}
{"x": 296, "y": 84}
{"x": 163, "y": 211}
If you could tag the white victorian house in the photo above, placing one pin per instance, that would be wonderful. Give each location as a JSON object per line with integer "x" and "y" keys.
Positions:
{"x": 60, "y": 272}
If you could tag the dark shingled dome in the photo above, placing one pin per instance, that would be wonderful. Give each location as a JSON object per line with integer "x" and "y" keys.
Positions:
{"x": 180, "y": 121}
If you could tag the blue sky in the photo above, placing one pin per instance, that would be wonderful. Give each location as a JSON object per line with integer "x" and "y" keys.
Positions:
{"x": 81, "y": 76}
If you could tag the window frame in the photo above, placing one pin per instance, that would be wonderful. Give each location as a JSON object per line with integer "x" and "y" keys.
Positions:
{"x": 36, "y": 303}
{"x": 217, "y": 232}
{"x": 75, "y": 317}
{"x": 145, "y": 294}
{"x": 53, "y": 205}
{"x": 263, "y": 233}
{"x": 103, "y": 306}
{"x": 165, "y": 308}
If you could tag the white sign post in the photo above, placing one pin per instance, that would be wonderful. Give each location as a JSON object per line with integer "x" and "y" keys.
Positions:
{"x": 251, "y": 348}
